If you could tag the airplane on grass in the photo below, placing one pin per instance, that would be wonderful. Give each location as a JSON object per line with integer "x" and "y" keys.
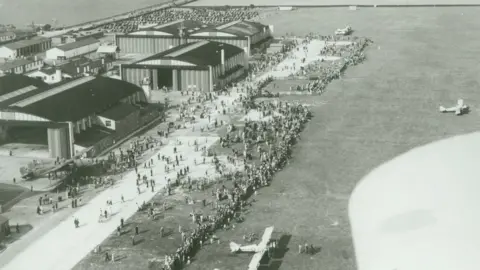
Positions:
{"x": 458, "y": 109}
{"x": 259, "y": 249}
{"x": 345, "y": 31}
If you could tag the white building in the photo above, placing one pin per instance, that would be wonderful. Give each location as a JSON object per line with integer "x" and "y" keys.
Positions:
{"x": 25, "y": 47}
{"x": 49, "y": 75}
{"x": 73, "y": 49}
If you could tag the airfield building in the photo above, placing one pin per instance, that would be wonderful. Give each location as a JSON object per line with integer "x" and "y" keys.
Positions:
{"x": 72, "y": 69}
{"x": 73, "y": 49}
{"x": 74, "y": 37}
{"x": 200, "y": 65}
{"x": 156, "y": 39}
{"x": 243, "y": 34}
{"x": 7, "y": 36}
{"x": 20, "y": 66}
{"x": 25, "y": 47}
{"x": 80, "y": 117}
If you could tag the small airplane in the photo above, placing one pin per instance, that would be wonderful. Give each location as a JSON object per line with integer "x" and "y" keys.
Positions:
{"x": 259, "y": 249}
{"x": 345, "y": 31}
{"x": 458, "y": 109}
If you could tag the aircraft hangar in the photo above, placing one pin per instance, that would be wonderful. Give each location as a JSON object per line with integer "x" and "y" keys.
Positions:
{"x": 197, "y": 65}
{"x": 85, "y": 114}
{"x": 243, "y": 34}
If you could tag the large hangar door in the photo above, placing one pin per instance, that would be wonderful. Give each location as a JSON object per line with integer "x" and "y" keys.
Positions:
{"x": 165, "y": 78}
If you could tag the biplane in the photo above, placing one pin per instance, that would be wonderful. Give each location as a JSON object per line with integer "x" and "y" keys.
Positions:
{"x": 258, "y": 249}
{"x": 458, "y": 109}
{"x": 345, "y": 31}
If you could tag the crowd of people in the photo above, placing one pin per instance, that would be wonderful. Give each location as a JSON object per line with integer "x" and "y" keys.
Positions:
{"x": 267, "y": 147}
{"x": 207, "y": 16}
{"x": 266, "y": 62}
{"x": 321, "y": 73}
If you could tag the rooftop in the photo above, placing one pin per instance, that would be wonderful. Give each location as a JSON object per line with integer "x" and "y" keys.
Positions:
{"x": 189, "y": 26}
{"x": 48, "y": 70}
{"x": 107, "y": 49}
{"x": 119, "y": 111}
{"x": 201, "y": 53}
{"x": 13, "y": 82}
{"x": 78, "y": 44}
{"x": 25, "y": 43}
{"x": 237, "y": 28}
{"x": 80, "y": 100}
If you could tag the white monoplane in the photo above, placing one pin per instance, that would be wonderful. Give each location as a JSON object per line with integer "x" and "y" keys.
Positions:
{"x": 458, "y": 109}
{"x": 345, "y": 31}
{"x": 259, "y": 249}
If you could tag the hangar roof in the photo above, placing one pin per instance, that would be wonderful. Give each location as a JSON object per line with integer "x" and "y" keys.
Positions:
{"x": 189, "y": 26}
{"x": 201, "y": 53}
{"x": 237, "y": 28}
{"x": 13, "y": 82}
{"x": 75, "y": 99}
{"x": 119, "y": 111}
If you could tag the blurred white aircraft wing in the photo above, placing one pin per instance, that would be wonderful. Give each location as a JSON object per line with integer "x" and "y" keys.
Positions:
{"x": 267, "y": 235}
{"x": 255, "y": 262}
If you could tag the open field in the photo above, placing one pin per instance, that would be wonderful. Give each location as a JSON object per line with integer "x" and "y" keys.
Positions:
{"x": 380, "y": 109}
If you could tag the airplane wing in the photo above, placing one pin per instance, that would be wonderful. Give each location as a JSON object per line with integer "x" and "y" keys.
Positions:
{"x": 255, "y": 262}
{"x": 267, "y": 235}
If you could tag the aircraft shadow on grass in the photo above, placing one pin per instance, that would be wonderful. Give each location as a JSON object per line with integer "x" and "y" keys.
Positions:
{"x": 276, "y": 261}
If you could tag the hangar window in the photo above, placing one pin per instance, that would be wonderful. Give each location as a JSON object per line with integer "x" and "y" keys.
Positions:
{"x": 108, "y": 123}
